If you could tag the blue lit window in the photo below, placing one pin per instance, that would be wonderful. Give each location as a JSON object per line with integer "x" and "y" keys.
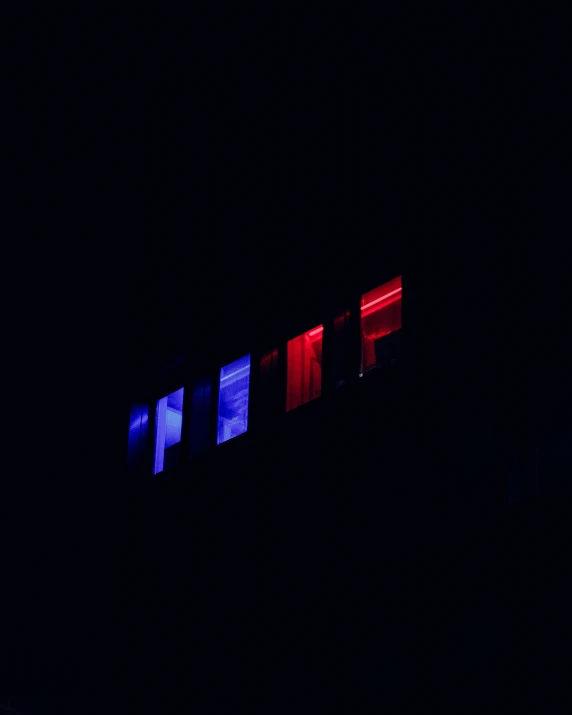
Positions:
{"x": 233, "y": 399}
{"x": 168, "y": 423}
{"x": 138, "y": 423}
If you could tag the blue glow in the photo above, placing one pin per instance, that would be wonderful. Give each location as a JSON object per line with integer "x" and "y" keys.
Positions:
{"x": 236, "y": 372}
{"x": 168, "y": 425}
{"x": 173, "y": 428}
{"x": 233, "y": 399}
{"x": 138, "y": 419}
{"x": 138, "y": 423}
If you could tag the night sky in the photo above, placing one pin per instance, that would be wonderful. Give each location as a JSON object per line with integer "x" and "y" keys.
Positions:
{"x": 223, "y": 176}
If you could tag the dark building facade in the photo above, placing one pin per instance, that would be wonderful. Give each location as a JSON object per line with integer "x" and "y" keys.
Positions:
{"x": 344, "y": 503}
{"x": 360, "y": 538}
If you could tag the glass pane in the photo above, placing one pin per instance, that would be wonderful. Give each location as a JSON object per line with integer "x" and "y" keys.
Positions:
{"x": 138, "y": 423}
{"x": 233, "y": 399}
{"x": 380, "y": 316}
{"x": 168, "y": 424}
{"x": 304, "y": 370}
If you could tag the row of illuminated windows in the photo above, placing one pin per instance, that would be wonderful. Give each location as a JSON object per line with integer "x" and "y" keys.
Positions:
{"x": 380, "y": 316}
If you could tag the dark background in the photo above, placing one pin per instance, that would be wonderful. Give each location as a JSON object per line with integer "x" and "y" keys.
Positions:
{"x": 166, "y": 170}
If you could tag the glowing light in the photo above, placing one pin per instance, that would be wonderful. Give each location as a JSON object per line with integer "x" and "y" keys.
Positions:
{"x": 173, "y": 425}
{"x": 381, "y": 306}
{"x": 383, "y": 297}
{"x": 168, "y": 426}
{"x": 304, "y": 368}
{"x": 380, "y": 316}
{"x": 233, "y": 399}
{"x": 138, "y": 424}
{"x": 139, "y": 421}
{"x": 236, "y": 372}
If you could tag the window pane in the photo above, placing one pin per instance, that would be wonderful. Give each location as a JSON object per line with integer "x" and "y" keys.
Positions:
{"x": 233, "y": 399}
{"x": 380, "y": 317}
{"x": 138, "y": 423}
{"x": 168, "y": 423}
{"x": 304, "y": 370}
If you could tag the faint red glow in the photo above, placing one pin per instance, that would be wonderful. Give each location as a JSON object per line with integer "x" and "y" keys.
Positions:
{"x": 268, "y": 370}
{"x": 268, "y": 359}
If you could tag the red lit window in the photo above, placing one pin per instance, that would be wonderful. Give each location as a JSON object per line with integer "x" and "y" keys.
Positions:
{"x": 380, "y": 317}
{"x": 304, "y": 368}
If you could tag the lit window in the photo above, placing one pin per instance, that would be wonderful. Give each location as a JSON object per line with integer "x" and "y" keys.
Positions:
{"x": 233, "y": 399}
{"x": 138, "y": 423}
{"x": 304, "y": 368}
{"x": 380, "y": 317}
{"x": 168, "y": 423}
